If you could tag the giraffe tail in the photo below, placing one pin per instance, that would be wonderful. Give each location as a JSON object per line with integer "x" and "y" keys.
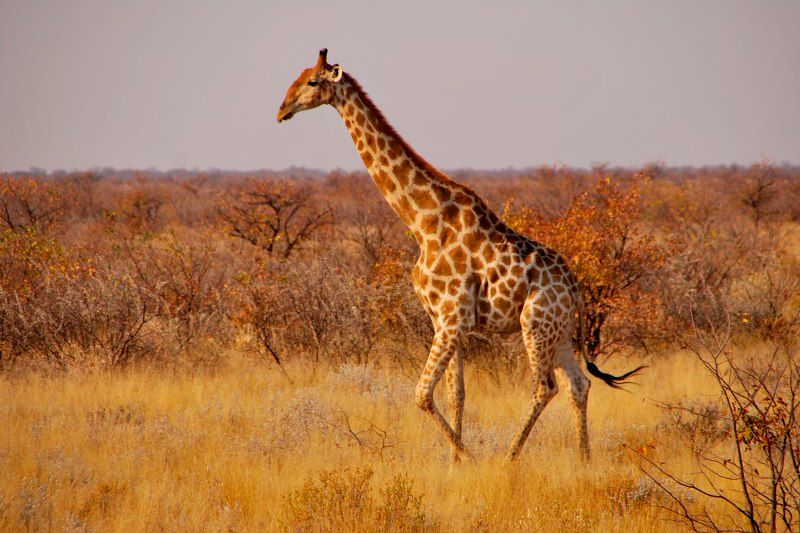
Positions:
{"x": 611, "y": 380}
{"x": 581, "y": 323}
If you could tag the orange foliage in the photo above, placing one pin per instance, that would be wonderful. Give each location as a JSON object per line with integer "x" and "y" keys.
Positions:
{"x": 31, "y": 258}
{"x": 211, "y": 257}
{"x": 27, "y": 203}
{"x": 601, "y": 236}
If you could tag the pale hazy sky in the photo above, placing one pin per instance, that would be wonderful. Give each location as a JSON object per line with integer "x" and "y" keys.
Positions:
{"x": 469, "y": 84}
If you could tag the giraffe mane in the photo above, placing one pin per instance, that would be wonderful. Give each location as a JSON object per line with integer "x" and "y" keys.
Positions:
{"x": 389, "y": 129}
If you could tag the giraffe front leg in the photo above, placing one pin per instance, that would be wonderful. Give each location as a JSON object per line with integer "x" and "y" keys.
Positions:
{"x": 455, "y": 388}
{"x": 444, "y": 347}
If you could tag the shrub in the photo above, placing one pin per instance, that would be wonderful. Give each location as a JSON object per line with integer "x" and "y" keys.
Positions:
{"x": 141, "y": 207}
{"x": 335, "y": 312}
{"x": 29, "y": 203}
{"x": 344, "y": 500}
{"x": 602, "y": 237}
{"x": 187, "y": 280}
{"x": 653, "y": 251}
{"x": 403, "y": 321}
{"x": 278, "y": 216}
{"x": 755, "y": 472}
{"x": 97, "y": 321}
{"x": 28, "y": 258}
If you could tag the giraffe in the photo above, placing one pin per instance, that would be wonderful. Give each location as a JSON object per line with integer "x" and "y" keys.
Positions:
{"x": 474, "y": 274}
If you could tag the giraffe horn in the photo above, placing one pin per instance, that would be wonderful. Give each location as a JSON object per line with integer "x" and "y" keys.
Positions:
{"x": 322, "y": 60}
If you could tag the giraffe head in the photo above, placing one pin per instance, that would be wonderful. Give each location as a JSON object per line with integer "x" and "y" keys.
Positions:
{"x": 312, "y": 88}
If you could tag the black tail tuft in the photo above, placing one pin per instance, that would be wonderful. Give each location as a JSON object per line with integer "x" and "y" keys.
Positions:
{"x": 610, "y": 379}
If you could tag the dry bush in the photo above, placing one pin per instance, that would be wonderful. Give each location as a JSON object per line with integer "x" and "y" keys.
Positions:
{"x": 334, "y": 311}
{"x": 33, "y": 269}
{"x": 195, "y": 201}
{"x": 262, "y": 310}
{"x": 187, "y": 279}
{"x": 766, "y": 302}
{"x": 403, "y": 321}
{"x": 698, "y": 275}
{"x": 97, "y": 321}
{"x": 758, "y": 193}
{"x": 644, "y": 248}
{"x": 27, "y": 258}
{"x": 371, "y": 229}
{"x": 278, "y": 216}
{"x": 497, "y": 356}
{"x": 364, "y": 220}
{"x": 320, "y": 309}
{"x": 86, "y": 202}
{"x": 142, "y": 205}
{"x": 752, "y": 465}
{"x": 700, "y": 424}
{"x": 307, "y": 417}
{"x": 66, "y": 311}
{"x": 29, "y": 203}
{"x": 725, "y": 260}
{"x": 345, "y": 500}
{"x": 548, "y": 188}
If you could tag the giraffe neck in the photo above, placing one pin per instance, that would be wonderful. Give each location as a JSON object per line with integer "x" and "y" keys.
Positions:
{"x": 413, "y": 188}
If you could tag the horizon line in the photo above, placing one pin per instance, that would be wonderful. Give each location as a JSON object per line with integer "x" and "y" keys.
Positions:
{"x": 316, "y": 170}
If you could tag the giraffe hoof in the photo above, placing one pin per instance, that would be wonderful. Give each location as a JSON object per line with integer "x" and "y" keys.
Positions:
{"x": 464, "y": 455}
{"x": 512, "y": 456}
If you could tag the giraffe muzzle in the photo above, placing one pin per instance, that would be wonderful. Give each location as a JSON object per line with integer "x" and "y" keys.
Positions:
{"x": 283, "y": 114}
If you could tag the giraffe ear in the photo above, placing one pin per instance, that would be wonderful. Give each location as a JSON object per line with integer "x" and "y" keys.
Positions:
{"x": 335, "y": 73}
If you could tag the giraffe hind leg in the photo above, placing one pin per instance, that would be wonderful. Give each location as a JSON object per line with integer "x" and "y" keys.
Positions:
{"x": 577, "y": 384}
{"x": 455, "y": 388}
{"x": 541, "y": 355}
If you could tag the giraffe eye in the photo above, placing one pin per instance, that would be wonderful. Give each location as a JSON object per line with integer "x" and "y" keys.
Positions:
{"x": 313, "y": 83}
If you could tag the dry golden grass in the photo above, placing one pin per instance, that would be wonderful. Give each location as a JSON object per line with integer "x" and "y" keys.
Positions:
{"x": 244, "y": 449}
